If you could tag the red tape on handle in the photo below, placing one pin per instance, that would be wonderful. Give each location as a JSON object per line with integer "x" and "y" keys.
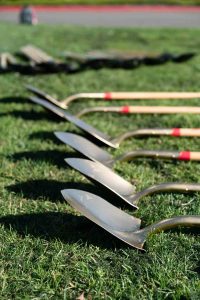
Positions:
{"x": 176, "y": 132}
{"x": 184, "y": 155}
{"x": 107, "y": 96}
{"x": 125, "y": 110}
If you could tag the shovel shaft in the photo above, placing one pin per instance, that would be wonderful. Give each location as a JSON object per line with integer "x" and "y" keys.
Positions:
{"x": 142, "y": 110}
{"x": 166, "y": 187}
{"x": 159, "y": 110}
{"x": 115, "y": 96}
{"x": 175, "y": 155}
{"x": 150, "y": 95}
{"x": 65, "y": 102}
{"x": 138, "y": 238}
{"x": 132, "y": 96}
{"x": 185, "y": 132}
{"x": 189, "y": 132}
{"x": 186, "y": 221}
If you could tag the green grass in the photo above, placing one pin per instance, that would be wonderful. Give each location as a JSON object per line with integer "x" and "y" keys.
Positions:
{"x": 100, "y": 2}
{"x": 49, "y": 251}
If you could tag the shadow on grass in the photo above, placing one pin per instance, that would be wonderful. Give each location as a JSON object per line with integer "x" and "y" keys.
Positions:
{"x": 42, "y": 189}
{"x": 159, "y": 165}
{"x": 7, "y": 100}
{"x": 197, "y": 269}
{"x": 45, "y": 135}
{"x": 41, "y": 135}
{"x": 55, "y": 157}
{"x": 47, "y": 189}
{"x": 153, "y": 163}
{"x": 33, "y": 115}
{"x": 62, "y": 226}
{"x": 66, "y": 228}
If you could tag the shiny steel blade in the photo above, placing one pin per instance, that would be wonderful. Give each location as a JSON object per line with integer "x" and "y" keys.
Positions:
{"x": 40, "y": 93}
{"x": 76, "y": 121}
{"x": 119, "y": 223}
{"x": 101, "y": 212}
{"x": 104, "y": 176}
{"x": 84, "y": 146}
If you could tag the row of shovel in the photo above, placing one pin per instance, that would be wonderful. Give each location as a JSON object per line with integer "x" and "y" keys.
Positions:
{"x": 40, "y": 62}
{"x": 98, "y": 168}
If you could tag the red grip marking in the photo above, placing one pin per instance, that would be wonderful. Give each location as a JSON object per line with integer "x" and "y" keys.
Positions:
{"x": 184, "y": 155}
{"x": 125, "y": 110}
{"x": 176, "y": 132}
{"x": 107, "y": 96}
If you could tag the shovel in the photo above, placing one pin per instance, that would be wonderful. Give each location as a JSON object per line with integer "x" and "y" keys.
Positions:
{"x": 70, "y": 118}
{"x": 115, "y": 96}
{"x": 117, "y": 222}
{"x": 106, "y": 139}
{"x": 120, "y": 186}
{"x": 96, "y": 153}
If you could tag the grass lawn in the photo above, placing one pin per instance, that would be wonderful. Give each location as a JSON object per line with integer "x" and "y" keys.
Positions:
{"x": 48, "y": 250}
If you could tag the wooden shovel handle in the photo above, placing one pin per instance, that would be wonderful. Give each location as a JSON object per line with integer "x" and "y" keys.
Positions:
{"x": 164, "y": 131}
{"x": 185, "y": 132}
{"x": 159, "y": 109}
{"x": 187, "y": 155}
{"x": 150, "y": 95}
{"x": 142, "y": 110}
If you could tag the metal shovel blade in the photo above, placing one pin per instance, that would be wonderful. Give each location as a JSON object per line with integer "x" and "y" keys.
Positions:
{"x": 104, "y": 176}
{"x": 123, "y": 188}
{"x": 104, "y": 214}
{"x": 119, "y": 223}
{"x": 40, "y": 93}
{"x": 76, "y": 121}
{"x": 84, "y": 146}
{"x": 101, "y": 210}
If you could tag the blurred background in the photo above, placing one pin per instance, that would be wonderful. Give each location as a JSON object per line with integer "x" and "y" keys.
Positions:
{"x": 119, "y": 13}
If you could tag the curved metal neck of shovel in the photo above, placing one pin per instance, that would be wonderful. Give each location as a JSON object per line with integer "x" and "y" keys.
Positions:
{"x": 148, "y": 153}
{"x": 139, "y": 237}
{"x": 68, "y": 100}
{"x": 141, "y": 132}
{"x": 165, "y": 187}
{"x": 176, "y": 132}
{"x": 98, "y": 109}
{"x": 44, "y": 95}
{"x": 175, "y": 155}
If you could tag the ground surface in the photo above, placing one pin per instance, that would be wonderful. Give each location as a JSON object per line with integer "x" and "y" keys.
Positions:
{"x": 49, "y": 251}
{"x": 127, "y": 16}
